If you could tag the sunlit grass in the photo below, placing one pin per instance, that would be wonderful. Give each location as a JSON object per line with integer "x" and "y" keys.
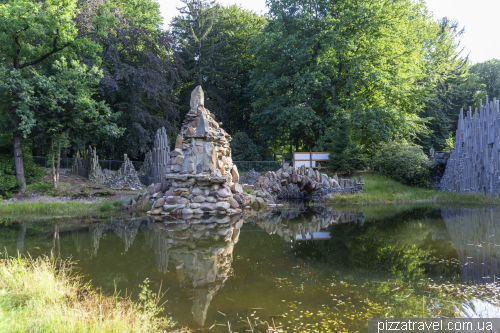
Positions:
{"x": 59, "y": 207}
{"x": 42, "y": 295}
{"x": 382, "y": 190}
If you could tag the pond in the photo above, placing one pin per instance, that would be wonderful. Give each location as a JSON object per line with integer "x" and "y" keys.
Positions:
{"x": 294, "y": 268}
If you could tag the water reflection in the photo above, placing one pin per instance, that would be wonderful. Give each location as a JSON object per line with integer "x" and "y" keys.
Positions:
{"x": 299, "y": 222}
{"x": 475, "y": 232}
{"x": 209, "y": 269}
{"x": 202, "y": 254}
{"x": 199, "y": 250}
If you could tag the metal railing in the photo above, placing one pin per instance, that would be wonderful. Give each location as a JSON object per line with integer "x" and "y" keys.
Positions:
{"x": 243, "y": 166}
{"x": 259, "y": 166}
{"x": 68, "y": 162}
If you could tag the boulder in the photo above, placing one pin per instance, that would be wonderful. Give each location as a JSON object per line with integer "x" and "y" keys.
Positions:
{"x": 235, "y": 174}
{"x": 169, "y": 208}
{"x": 222, "y": 205}
{"x": 178, "y": 141}
{"x": 197, "y": 191}
{"x": 184, "y": 192}
{"x": 156, "y": 211}
{"x": 236, "y": 188}
{"x": 207, "y": 207}
{"x": 197, "y": 98}
{"x": 233, "y": 203}
{"x": 224, "y": 192}
{"x": 199, "y": 199}
{"x": 172, "y": 200}
{"x": 182, "y": 201}
{"x": 159, "y": 202}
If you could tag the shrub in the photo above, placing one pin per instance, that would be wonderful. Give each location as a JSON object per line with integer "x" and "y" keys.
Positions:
{"x": 8, "y": 182}
{"x": 346, "y": 156}
{"x": 243, "y": 148}
{"x": 404, "y": 162}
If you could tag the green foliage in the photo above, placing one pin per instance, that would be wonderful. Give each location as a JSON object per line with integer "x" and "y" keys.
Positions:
{"x": 450, "y": 142}
{"x": 317, "y": 58}
{"x": 488, "y": 75}
{"x": 346, "y": 156}
{"x": 404, "y": 162}
{"x": 47, "y": 188}
{"x": 243, "y": 148}
{"x": 446, "y": 73}
{"x": 8, "y": 182}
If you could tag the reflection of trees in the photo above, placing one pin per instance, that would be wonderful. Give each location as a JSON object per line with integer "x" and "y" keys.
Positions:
{"x": 476, "y": 235}
{"x": 20, "y": 239}
{"x": 201, "y": 252}
{"x": 397, "y": 245}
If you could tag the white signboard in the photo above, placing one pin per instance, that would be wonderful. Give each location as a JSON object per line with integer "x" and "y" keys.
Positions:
{"x": 307, "y": 164}
{"x": 310, "y": 159}
{"x": 318, "y": 235}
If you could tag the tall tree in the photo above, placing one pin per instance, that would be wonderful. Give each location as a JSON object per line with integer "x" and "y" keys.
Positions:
{"x": 488, "y": 74}
{"x": 316, "y": 58}
{"x": 447, "y": 74}
{"x": 199, "y": 46}
{"x": 33, "y": 34}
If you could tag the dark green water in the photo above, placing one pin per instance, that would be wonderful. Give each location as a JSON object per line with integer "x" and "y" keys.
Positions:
{"x": 387, "y": 261}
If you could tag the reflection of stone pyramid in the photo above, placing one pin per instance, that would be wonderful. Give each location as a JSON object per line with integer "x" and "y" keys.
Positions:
{"x": 200, "y": 252}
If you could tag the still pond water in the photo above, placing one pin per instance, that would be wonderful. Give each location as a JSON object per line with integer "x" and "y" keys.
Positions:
{"x": 262, "y": 269}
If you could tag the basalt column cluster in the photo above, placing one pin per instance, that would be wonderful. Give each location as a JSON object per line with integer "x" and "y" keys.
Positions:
{"x": 201, "y": 177}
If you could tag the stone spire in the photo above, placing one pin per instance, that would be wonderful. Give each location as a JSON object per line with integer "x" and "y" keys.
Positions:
{"x": 201, "y": 171}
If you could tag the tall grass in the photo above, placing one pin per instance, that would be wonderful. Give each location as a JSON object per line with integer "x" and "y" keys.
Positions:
{"x": 42, "y": 295}
{"x": 382, "y": 190}
{"x": 59, "y": 207}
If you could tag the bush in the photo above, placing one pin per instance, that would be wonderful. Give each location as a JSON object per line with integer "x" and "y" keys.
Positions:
{"x": 243, "y": 148}
{"x": 8, "y": 182}
{"x": 346, "y": 156}
{"x": 404, "y": 162}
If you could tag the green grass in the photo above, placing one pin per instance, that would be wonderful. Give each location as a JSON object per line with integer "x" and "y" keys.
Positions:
{"x": 60, "y": 207}
{"x": 42, "y": 295}
{"x": 382, "y": 190}
{"x": 47, "y": 187}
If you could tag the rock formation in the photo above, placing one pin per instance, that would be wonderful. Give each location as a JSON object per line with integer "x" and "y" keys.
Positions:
{"x": 200, "y": 176}
{"x": 474, "y": 164}
{"x": 155, "y": 162}
{"x": 88, "y": 166}
{"x": 126, "y": 177}
{"x": 303, "y": 183}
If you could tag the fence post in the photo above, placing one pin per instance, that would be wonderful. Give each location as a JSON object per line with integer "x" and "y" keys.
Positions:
{"x": 45, "y": 162}
{"x": 109, "y": 163}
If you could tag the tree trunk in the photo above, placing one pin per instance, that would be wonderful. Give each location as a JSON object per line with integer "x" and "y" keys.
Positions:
{"x": 58, "y": 167}
{"x": 18, "y": 153}
{"x": 334, "y": 94}
{"x": 53, "y": 158}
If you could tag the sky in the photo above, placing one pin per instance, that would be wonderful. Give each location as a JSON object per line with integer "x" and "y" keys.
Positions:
{"x": 479, "y": 17}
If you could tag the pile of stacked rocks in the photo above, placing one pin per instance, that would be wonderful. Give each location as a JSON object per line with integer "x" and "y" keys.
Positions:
{"x": 201, "y": 177}
{"x": 88, "y": 166}
{"x": 303, "y": 183}
{"x": 126, "y": 177}
{"x": 251, "y": 177}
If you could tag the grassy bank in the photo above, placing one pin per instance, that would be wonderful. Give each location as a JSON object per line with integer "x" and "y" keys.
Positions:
{"x": 72, "y": 207}
{"x": 43, "y": 296}
{"x": 381, "y": 190}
